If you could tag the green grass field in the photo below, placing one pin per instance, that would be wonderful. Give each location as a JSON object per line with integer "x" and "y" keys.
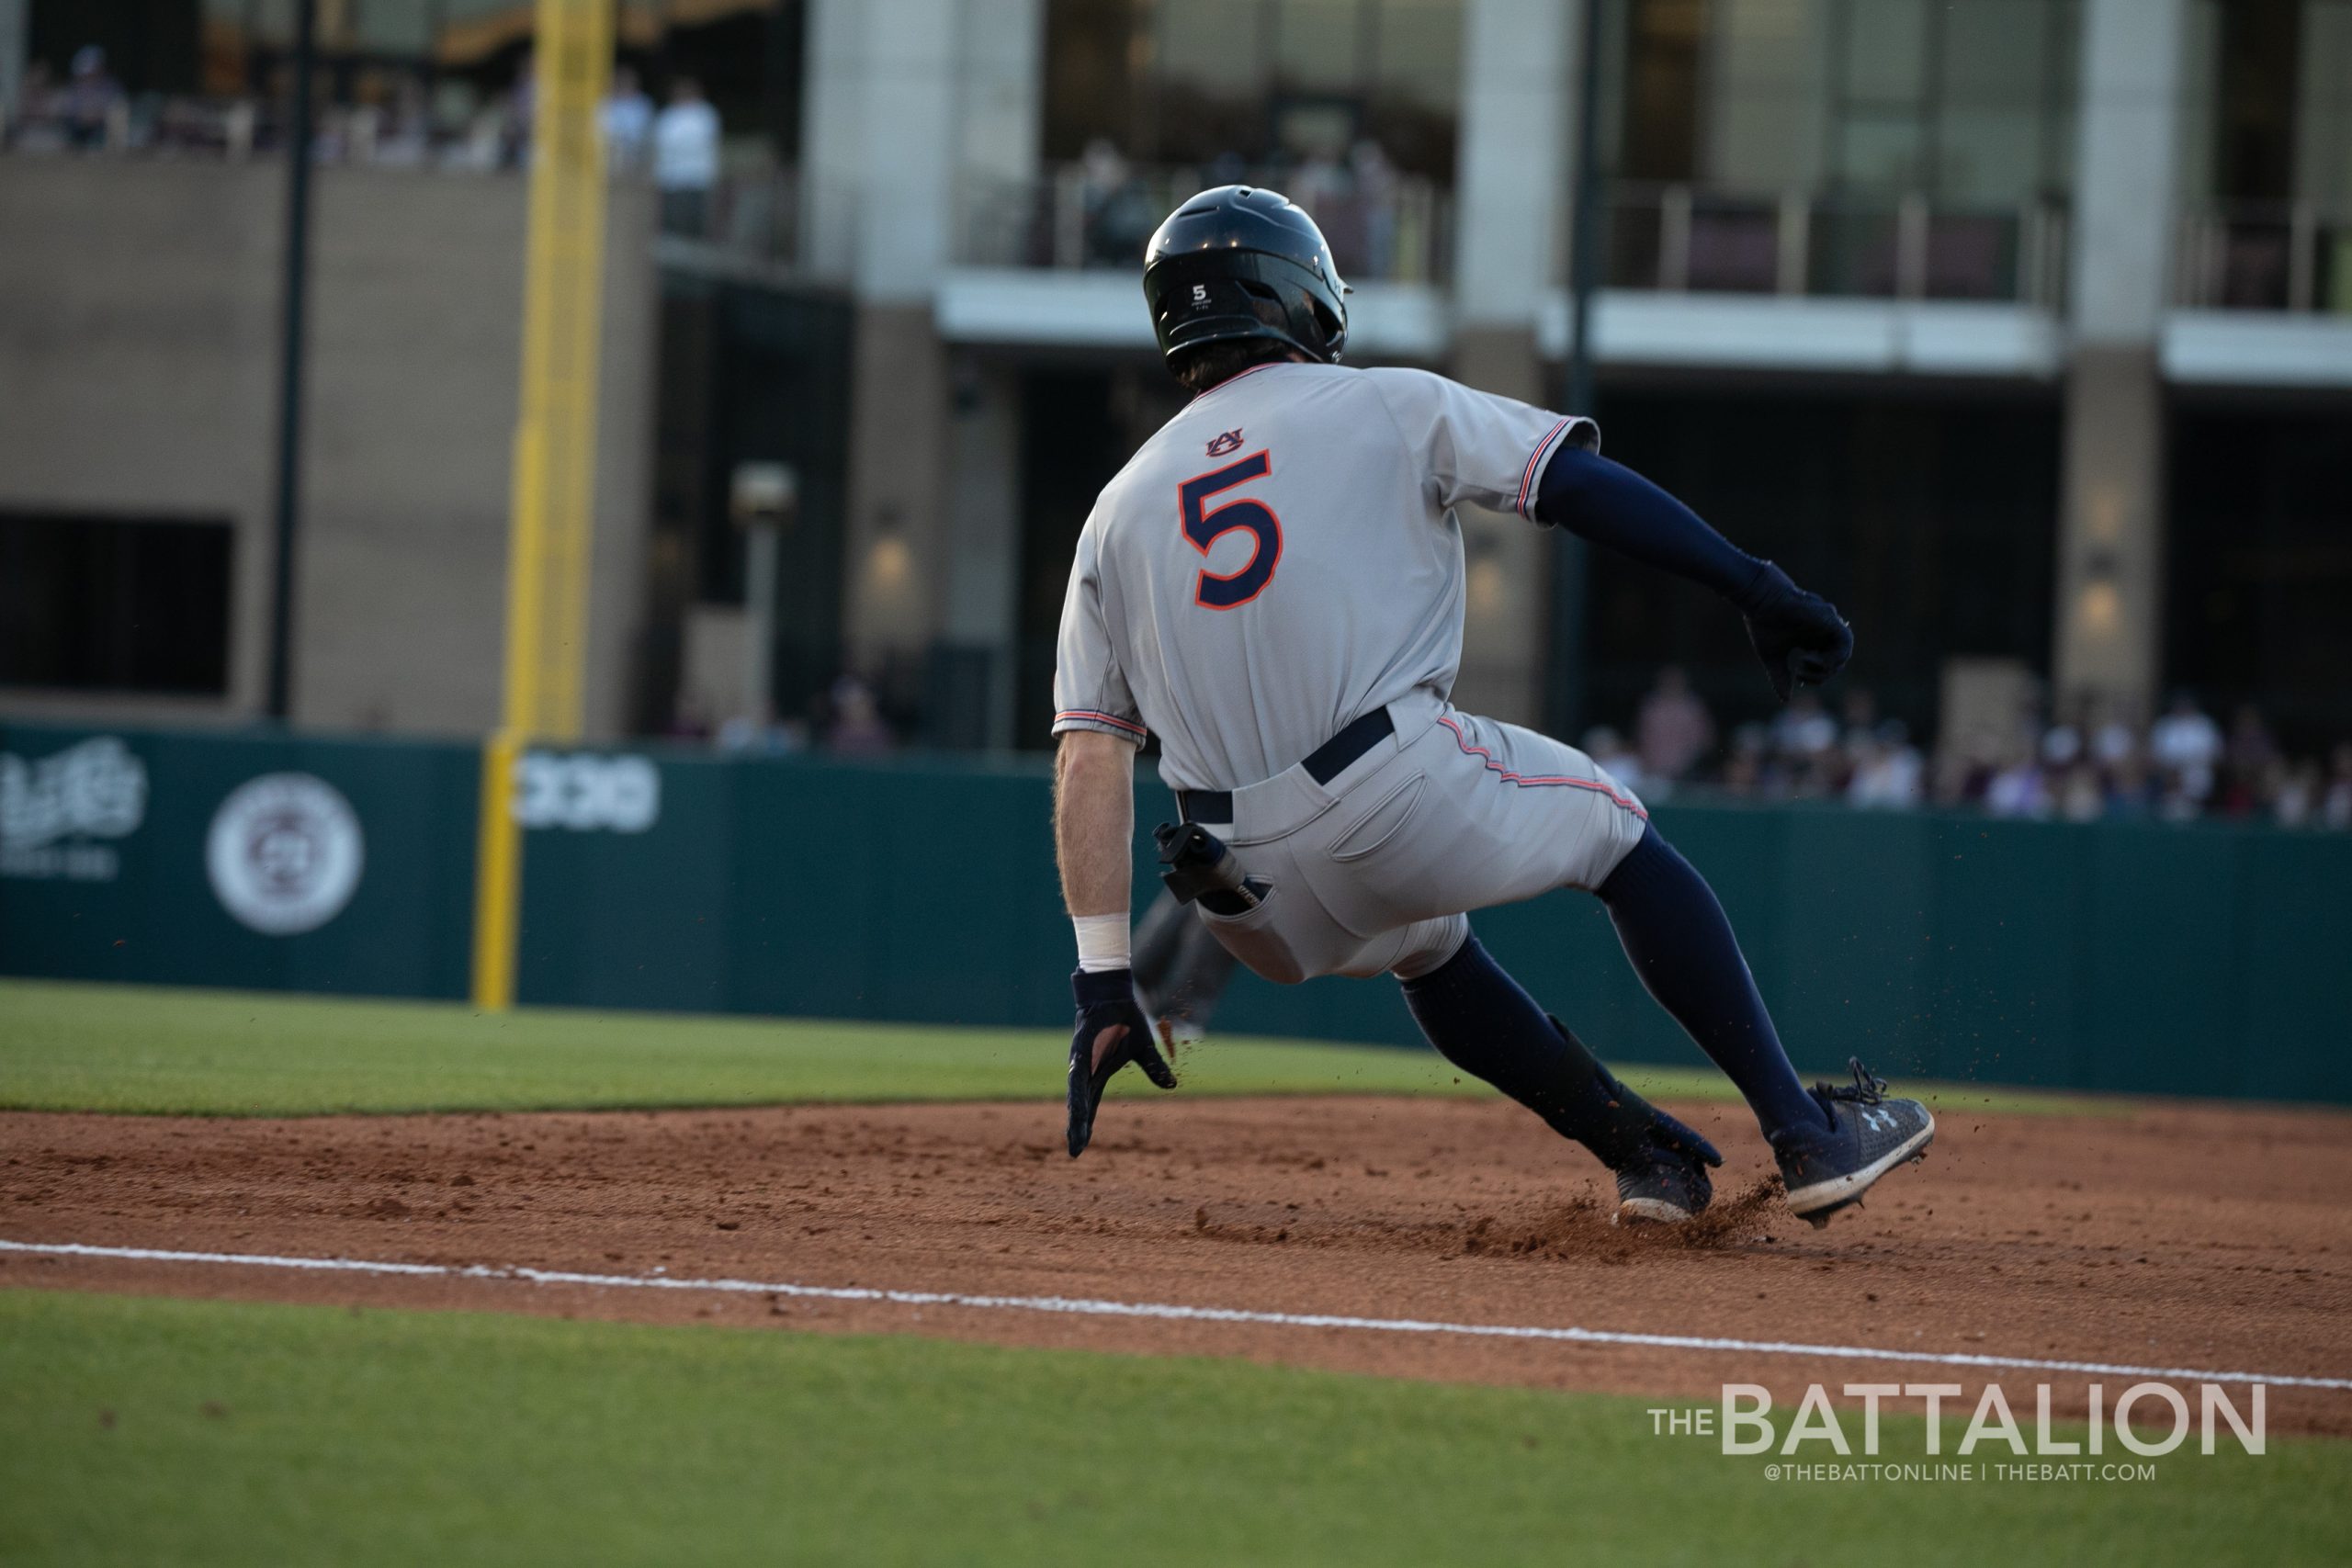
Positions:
{"x": 181, "y": 1431}
{"x": 154, "y": 1431}
{"x": 83, "y": 1047}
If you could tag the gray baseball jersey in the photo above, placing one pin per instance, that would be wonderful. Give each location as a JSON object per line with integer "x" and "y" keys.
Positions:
{"x": 1281, "y": 558}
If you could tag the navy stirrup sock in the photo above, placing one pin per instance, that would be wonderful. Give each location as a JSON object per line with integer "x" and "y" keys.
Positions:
{"x": 1481, "y": 1020}
{"x": 1682, "y": 947}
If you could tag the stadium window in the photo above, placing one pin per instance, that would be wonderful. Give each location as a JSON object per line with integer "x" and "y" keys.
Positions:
{"x": 1969, "y": 105}
{"x": 1881, "y": 83}
{"x": 2323, "y": 121}
{"x": 1415, "y": 85}
{"x": 1763, "y": 69}
{"x": 1662, "y": 95}
{"x": 2257, "y": 575}
{"x": 1096, "y": 54}
{"x": 1202, "y": 83}
{"x": 149, "y": 47}
{"x": 115, "y": 604}
{"x": 1318, "y": 45}
{"x": 2004, "y": 83}
{"x": 1891, "y": 510}
{"x": 1208, "y": 82}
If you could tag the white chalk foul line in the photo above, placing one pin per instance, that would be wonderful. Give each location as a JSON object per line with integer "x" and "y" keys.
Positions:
{"x": 1080, "y": 1306}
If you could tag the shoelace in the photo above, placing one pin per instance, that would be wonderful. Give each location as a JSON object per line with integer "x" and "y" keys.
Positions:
{"x": 1868, "y": 1088}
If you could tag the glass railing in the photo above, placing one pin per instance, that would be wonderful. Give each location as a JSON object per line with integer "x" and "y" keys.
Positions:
{"x": 1395, "y": 229}
{"x": 1686, "y": 238}
{"x": 2265, "y": 257}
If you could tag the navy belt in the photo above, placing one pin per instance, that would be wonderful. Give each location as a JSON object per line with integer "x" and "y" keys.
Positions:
{"x": 1326, "y": 763}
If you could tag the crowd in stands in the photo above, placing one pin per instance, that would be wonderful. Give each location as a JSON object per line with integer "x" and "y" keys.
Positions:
{"x": 846, "y": 721}
{"x": 1381, "y": 222}
{"x": 456, "y": 126}
{"x": 2086, "y": 766}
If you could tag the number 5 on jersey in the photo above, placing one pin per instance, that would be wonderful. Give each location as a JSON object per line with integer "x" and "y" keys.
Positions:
{"x": 1204, "y": 527}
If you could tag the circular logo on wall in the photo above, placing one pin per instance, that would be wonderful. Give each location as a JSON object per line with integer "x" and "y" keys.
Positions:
{"x": 285, "y": 854}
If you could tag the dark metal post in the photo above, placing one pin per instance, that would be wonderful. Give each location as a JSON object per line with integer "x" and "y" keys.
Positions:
{"x": 289, "y": 349}
{"x": 1564, "y": 691}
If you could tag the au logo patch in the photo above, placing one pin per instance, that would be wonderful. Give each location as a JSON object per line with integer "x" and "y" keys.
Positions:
{"x": 1230, "y": 441}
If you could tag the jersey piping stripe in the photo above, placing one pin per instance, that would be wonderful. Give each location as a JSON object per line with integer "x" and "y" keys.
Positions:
{"x": 1547, "y": 781}
{"x": 1535, "y": 462}
{"x": 1112, "y": 719}
{"x": 1229, "y": 381}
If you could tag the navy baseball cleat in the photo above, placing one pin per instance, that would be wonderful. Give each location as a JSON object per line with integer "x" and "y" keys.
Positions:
{"x": 1868, "y": 1135}
{"x": 1667, "y": 1182}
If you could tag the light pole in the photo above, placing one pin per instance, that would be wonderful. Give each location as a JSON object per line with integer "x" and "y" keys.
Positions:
{"x": 1564, "y": 691}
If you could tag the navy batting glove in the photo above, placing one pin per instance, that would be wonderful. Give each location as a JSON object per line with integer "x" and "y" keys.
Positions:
{"x": 1111, "y": 1031}
{"x": 1801, "y": 638}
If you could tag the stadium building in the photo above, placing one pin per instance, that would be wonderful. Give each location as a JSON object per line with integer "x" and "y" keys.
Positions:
{"x": 2021, "y": 328}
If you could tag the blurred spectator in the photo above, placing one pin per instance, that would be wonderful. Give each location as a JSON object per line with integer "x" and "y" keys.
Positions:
{"x": 2335, "y": 805}
{"x": 1958, "y": 773}
{"x": 2296, "y": 799}
{"x": 1858, "y": 713}
{"x": 1804, "y": 729}
{"x": 857, "y": 729}
{"x": 2088, "y": 767}
{"x": 1743, "y": 773}
{"x": 688, "y": 721}
{"x": 91, "y": 101}
{"x": 2062, "y": 745}
{"x": 521, "y": 104}
{"x": 626, "y": 119}
{"x": 482, "y": 146}
{"x": 2020, "y": 788}
{"x": 2111, "y": 741}
{"x": 1608, "y": 748}
{"x": 685, "y": 159}
{"x": 2131, "y": 784}
{"x": 1318, "y": 185}
{"x": 2251, "y": 764}
{"x": 1376, "y": 196}
{"x": 1888, "y": 770}
{"x": 33, "y": 123}
{"x": 766, "y": 736}
{"x": 2186, "y": 745}
{"x": 2078, "y": 793}
{"x": 405, "y": 136}
{"x": 1674, "y": 729}
{"x": 1120, "y": 210}
{"x": 1103, "y": 168}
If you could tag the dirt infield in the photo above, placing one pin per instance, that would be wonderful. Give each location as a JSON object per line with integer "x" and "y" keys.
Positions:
{"x": 2192, "y": 1237}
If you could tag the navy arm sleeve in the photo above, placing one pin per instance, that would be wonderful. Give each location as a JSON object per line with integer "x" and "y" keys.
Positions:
{"x": 1610, "y": 504}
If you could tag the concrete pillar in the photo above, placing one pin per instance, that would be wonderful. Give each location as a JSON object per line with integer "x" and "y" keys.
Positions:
{"x": 1001, "y": 116}
{"x": 911, "y": 102}
{"x": 907, "y": 112}
{"x": 832, "y": 144}
{"x": 982, "y": 564}
{"x": 999, "y": 120}
{"x": 14, "y": 16}
{"x": 2110, "y": 546}
{"x": 897, "y": 546}
{"x": 1511, "y": 176}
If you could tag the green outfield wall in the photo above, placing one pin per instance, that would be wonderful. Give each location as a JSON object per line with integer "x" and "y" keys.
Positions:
{"x": 2206, "y": 959}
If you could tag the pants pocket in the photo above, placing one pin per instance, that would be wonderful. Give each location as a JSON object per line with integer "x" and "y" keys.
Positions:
{"x": 1379, "y": 823}
{"x": 1253, "y": 937}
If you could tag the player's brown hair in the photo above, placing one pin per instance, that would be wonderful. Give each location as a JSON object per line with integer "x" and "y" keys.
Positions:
{"x": 1205, "y": 367}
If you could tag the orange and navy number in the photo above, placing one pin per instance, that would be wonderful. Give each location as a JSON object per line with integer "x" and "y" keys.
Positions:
{"x": 1205, "y": 525}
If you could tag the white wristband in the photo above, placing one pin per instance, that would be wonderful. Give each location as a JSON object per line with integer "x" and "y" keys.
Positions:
{"x": 1101, "y": 941}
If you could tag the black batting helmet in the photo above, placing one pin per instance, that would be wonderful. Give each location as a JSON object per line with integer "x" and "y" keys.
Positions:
{"x": 1239, "y": 262}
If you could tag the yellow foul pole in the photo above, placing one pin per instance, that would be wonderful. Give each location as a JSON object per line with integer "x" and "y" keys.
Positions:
{"x": 555, "y": 458}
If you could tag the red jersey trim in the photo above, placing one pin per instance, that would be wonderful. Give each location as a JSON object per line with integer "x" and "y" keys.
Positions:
{"x": 1549, "y": 780}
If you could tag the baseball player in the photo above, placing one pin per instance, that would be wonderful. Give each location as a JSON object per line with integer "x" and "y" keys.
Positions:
{"x": 1273, "y": 587}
